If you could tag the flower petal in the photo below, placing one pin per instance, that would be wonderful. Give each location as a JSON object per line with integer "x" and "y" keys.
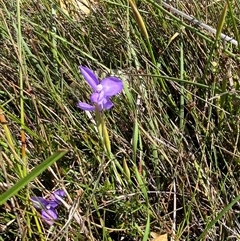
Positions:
{"x": 90, "y": 77}
{"x": 85, "y": 106}
{"x": 101, "y": 95}
{"x": 53, "y": 203}
{"x": 104, "y": 103}
{"x": 97, "y": 97}
{"x": 112, "y": 86}
{"x": 107, "y": 104}
{"x": 49, "y": 215}
{"x": 57, "y": 196}
{"x": 60, "y": 193}
{"x": 39, "y": 202}
{"x": 94, "y": 97}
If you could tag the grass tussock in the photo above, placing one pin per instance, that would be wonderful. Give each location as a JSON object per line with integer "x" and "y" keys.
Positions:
{"x": 174, "y": 131}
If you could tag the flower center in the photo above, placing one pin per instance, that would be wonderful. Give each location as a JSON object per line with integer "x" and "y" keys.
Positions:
{"x": 48, "y": 206}
{"x": 99, "y": 88}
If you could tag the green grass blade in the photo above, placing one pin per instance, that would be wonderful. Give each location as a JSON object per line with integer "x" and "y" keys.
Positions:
{"x": 141, "y": 184}
{"x": 135, "y": 139}
{"x": 147, "y": 229}
{"x": 221, "y": 21}
{"x": 219, "y": 216}
{"x": 235, "y": 26}
{"x": 33, "y": 174}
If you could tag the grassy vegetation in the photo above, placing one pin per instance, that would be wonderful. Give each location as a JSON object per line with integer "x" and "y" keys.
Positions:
{"x": 174, "y": 131}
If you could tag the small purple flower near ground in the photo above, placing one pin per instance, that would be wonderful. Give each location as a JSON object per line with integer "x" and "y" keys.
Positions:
{"x": 48, "y": 207}
{"x": 102, "y": 91}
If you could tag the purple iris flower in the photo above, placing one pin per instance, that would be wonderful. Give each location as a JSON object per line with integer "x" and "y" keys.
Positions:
{"x": 48, "y": 207}
{"x": 102, "y": 91}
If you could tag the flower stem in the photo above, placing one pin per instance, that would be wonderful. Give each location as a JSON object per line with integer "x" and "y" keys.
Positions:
{"x": 103, "y": 132}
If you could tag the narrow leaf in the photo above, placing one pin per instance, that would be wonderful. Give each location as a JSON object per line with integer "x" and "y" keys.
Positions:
{"x": 218, "y": 217}
{"x": 139, "y": 19}
{"x": 147, "y": 229}
{"x": 135, "y": 140}
{"x": 106, "y": 138}
{"x": 221, "y": 21}
{"x": 33, "y": 174}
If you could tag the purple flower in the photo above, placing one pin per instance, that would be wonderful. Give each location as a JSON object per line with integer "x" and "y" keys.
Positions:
{"x": 48, "y": 207}
{"x": 102, "y": 91}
